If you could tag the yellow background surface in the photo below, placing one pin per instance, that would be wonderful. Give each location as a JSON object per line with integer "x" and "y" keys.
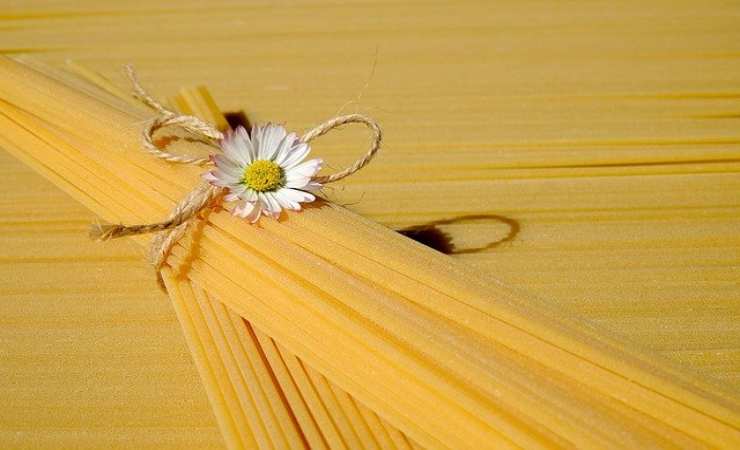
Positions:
{"x": 600, "y": 142}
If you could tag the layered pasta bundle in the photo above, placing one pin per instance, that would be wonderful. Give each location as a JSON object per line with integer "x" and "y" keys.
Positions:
{"x": 449, "y": 356}
{"x": 263, "y": 396}
{"x": 607, "y": 135}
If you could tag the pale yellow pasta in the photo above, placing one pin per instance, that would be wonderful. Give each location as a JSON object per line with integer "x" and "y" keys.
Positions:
{"x": 438, "y": 349}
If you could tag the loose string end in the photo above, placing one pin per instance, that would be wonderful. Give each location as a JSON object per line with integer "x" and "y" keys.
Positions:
{"x": 104, "y": 232}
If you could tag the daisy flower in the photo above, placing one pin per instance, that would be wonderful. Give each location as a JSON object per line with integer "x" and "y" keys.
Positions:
{"x": 265, "y": 172}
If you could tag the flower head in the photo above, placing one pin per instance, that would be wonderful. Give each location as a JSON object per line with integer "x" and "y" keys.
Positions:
{"x": 264, "y": 172}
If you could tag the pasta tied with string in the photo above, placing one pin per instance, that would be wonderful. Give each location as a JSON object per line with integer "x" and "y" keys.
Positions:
{"x": 263, "y": 171}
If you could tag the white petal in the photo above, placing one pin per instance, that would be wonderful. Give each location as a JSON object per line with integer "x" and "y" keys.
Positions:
{"x": 226, "y": 165}
{"x": 275, "y": 205}
{"x": 248, "y": 210}
{"x": 270, "y": 204}
{"x": 230, "y": 175}
{"x": 284, "y": 148}
{"x": 295, "y": 155}
{"x": 244, "y": 209}
{"x": 306, "y": 169}
{"x": 297, "y": 182}
{"x": 256, "y": 137}
{"x": 251, "y": 153}
{"x": 250, "y": 196}
{"x": 313, "y": 187}
{"x": 255, "y": 214}
{"x": 235, "y": 192}
{"x": 295, "y": 196}
{"x": 234, "y": 172}
{"x": 270, "y": 141}
{"x": 236, "y": 148}
{"x": 285, "y": 202}
{"x": 218, "y": 178}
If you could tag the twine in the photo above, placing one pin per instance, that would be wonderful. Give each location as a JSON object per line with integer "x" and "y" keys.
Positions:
{"x": 206, "y": 196}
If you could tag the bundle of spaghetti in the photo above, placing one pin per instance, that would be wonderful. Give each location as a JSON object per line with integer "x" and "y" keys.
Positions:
{"x": 609, "y": 136}
{"x": 263, "y": 396}
{"x": 285, "y": 403}
{"x": 449, "y": 356}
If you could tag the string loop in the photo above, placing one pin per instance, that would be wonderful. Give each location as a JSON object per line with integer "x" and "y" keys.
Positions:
{"x": 336, "y": 122}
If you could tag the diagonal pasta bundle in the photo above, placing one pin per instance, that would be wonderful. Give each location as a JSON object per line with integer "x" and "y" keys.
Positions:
{"x": 449, "y": 356}
{"x": 263, "y": 396}
{"x": 259, "y": 403}
{"x": 295, "y": 405}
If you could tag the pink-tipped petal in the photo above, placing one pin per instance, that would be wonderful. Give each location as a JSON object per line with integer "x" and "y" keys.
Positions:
{"x": 244, "y": 209}
{"x": 254, "y": 216}
{"x": 235, "y": 193}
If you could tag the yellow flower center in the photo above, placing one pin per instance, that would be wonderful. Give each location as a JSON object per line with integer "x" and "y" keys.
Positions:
{"x": 263, "y": 176}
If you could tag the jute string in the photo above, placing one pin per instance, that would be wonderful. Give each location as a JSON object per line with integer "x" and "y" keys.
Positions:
{"x": 206, "y": 196}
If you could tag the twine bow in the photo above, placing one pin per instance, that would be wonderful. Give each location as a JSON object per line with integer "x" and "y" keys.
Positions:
{"x": 205, "y": 196}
